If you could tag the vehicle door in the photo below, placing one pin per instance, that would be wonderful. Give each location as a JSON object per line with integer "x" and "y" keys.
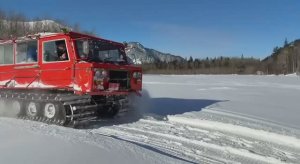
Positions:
{"x": 56, "y": 64}
{"x": 26, "y": 69}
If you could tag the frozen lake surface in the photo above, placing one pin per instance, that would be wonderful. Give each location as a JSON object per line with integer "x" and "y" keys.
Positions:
{"x": 181, "y": 119}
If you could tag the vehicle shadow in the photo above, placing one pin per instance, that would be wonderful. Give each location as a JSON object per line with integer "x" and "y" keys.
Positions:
{"x": 172, "y": 106}
{"x": 158, "y": 108}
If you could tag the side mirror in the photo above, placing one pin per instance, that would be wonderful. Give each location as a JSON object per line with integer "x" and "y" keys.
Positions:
{"x": 125, "y": 44}
{"x": 85, "y": 47}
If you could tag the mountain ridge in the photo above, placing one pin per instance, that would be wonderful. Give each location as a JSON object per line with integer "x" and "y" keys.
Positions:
{"x": 140, "y": 54}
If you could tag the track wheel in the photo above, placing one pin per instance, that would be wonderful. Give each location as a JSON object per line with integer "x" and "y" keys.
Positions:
{"x": 16, "y": 108}
{"x": 53, "y": 114}
{"x": 33, "y": 110}
{"x": 50, "y": 111}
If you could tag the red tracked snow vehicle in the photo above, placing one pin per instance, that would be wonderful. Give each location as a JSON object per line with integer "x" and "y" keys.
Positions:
{"x": 65, "y": 78}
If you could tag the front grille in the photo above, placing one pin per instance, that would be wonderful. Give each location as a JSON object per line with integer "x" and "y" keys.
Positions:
{"x": 121, "y": 77}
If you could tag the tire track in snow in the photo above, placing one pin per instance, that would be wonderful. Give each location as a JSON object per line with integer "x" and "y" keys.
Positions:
{"x": 164, "y": 144}
{"x": 159, "y": 134}
{"x": 239, "y": 131}
{"x": 227, "y": 149}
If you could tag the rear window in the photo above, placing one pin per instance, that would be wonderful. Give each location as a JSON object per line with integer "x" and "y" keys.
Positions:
{"x": 6, "y": 54}
{"x": 26, "y": 52}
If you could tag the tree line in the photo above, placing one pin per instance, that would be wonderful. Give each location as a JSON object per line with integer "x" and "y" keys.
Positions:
{"x": 217, "y": 65}
{"x": 284, "y": 59}
{"x": 14, "y": 24}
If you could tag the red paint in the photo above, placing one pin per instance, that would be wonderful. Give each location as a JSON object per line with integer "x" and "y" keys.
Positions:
{"x": 74, "y": 74}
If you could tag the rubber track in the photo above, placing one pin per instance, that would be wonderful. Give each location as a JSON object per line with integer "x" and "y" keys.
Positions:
{"x": 85, "y": 109}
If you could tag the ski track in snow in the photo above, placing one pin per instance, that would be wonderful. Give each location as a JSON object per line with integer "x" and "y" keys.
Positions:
{"x": 208, "y": 135}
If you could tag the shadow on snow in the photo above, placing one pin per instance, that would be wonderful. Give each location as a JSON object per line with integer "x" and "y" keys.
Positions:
{"x": 173, "y": 106}
{"x": 159, "y": 108}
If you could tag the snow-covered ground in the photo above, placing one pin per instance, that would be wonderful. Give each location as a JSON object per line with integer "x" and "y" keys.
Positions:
{"x": 181, "y": 119}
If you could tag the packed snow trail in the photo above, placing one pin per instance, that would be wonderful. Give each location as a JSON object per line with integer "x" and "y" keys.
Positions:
{"x": 30, "y": 142}
{"x": 209, "y": 141}
{"x": 177, "y": 138}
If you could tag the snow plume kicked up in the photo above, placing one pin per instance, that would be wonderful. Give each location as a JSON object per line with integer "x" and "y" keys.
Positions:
{"x": 9, "y": 109}
{"x": 141, "y": 104}
{"x": 145, "y": 106}
{"x": 138, "y": 106}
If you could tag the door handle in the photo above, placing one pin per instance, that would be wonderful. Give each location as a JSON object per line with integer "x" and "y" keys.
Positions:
{"x": 67, "y": 68}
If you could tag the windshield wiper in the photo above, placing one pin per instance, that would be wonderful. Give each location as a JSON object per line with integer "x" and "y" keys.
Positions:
{"x": 92, "y": 59}
{"x": 107, "y": 59}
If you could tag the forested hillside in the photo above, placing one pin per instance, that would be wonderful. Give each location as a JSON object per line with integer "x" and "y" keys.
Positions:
{"x": 285, "y": 59}
{"x": 16, "y": 24}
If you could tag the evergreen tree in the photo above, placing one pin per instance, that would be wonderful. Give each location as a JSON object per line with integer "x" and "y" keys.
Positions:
{"x": 275, "y": 49}
{"x": 285, "y": 42}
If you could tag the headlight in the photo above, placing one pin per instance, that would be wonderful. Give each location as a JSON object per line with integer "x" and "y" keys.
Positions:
{"x": 104, "y": 73}
{"x": 100, "y": 79}
{"x": 100, "y": 74}
{"x": 137, "y": 75}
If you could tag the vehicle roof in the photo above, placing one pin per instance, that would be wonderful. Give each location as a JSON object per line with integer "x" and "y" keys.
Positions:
{"x": 74, "y": 35}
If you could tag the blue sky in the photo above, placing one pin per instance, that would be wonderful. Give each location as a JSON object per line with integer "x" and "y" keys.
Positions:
{"x": 197, "y": 28}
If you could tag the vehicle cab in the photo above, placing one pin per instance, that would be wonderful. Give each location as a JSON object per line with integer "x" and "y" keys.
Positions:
{"x": 71, "y": 61}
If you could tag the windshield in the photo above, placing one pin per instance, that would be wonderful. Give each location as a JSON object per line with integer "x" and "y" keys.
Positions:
{"x": 100, "y": 51}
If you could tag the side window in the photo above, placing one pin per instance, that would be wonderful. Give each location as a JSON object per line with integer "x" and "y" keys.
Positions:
{"x": 26, "y": 52}
{"x": 55, "y": 51}
{"x": 6, "y": 54}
